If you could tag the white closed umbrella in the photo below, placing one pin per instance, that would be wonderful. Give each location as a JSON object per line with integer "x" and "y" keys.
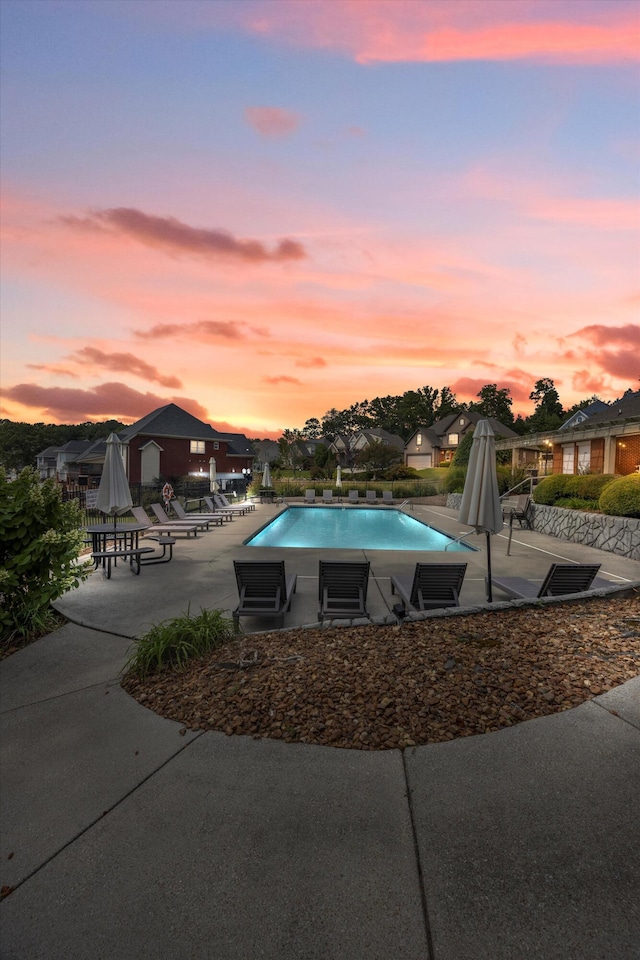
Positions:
{"x": 213, "y": 483}
{"x": 480, "y": 505}
{"x": 266, "y": 477}
{"x": 339, "y": 476}
{"x": 114, "y": 496}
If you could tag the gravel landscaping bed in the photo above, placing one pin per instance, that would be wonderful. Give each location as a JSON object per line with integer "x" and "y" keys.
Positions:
{"x": 377, "y": 688}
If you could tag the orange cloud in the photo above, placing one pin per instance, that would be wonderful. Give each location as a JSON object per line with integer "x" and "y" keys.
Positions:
{"x": 272, "y": 121}
{"x": 173, "y": 236}
{"x": 203, "y": 330}
{"x": 311, "y": 362}
{"x": 124, "y": 363}
{"x": 283, "y": 379}
{"x": 104, "y": 401}
{"x": 53, "y": 368}
{"x": 468, "y": 388}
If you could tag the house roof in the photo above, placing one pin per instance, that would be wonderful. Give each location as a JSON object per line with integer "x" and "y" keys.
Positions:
{"x": 383, "y": 436}
{"x": 238, "y": 444}
{"x": 171, "y": 421}
{"x": 626, "y": 408}
{"x": 598, "y": 406}
{"x": 437, "y": 432}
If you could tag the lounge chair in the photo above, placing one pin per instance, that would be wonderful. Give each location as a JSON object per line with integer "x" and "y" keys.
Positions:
{"x": 223, "y": 504}
{"x": 207, "y": 518}
{"x": 169, "y": 521}
{"x": 353, "y": 496}
{"x": 264, "y": 589}
{"x": 434, "y": 585}
{"x": 371, "y": 496}
{"x": 387, "y": 496}
{"x": 173, "y": 527}
{"x": 342, "y": 588}
{"x": 309, "y": 496}
{"x": 327, "y": 496}
{"x": 226, "y": 515}
{"x": 246, "y": 505}
{"x": 519, "y": 510}
{"x": 561, "y": 579}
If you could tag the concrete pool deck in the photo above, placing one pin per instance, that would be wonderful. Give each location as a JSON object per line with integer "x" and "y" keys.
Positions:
{"x": 201, "y": 573}
{"x": 125, "y": 836}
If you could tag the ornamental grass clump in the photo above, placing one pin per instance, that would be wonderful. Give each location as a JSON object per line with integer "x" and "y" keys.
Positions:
{"x": 171, "y": 644}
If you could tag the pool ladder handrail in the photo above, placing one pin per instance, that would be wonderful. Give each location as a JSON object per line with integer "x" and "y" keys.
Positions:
{"x": 405, "y": 502}
{"x": 459, "y": 539}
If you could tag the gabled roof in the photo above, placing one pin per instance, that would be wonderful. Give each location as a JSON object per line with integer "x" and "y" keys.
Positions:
{"x": 382, "y": 436}
{"x": 626, "y": 408}
{"x": 598, "y": 406}
{"x": 436, "y": 434}
{"x": 238, "y": 444}
{"x": 170, "y": 421}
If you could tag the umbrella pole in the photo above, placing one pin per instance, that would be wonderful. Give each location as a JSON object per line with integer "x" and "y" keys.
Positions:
{"x": 489, "y": 589}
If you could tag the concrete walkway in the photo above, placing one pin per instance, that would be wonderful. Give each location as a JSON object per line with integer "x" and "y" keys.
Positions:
{"x": 127, "y": 837}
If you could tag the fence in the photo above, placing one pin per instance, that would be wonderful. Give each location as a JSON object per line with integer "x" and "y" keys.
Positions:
{"x": 142, "y": 494}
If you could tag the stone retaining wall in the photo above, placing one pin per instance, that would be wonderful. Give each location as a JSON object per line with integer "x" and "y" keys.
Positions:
{"x": 619, "y": 535}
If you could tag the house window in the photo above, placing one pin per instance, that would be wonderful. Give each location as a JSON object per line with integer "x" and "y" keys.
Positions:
{"x": 196, "y": 446}
{"x": 216, "y": 445}
{"x": 462, "y": 421}
{"x": 453, "y": 438}
{"x": 567, "y": 458}
{"x": 419, "y": 440}
{"x": 584, "y": 457}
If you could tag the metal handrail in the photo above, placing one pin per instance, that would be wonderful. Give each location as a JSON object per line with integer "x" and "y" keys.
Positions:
{"x": 459, "y": 539}
{"x": 528, "y": 480}
{"x": 405, "y": 502}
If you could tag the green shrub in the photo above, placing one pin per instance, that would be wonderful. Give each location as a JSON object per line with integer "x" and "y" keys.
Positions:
{"x": 400, "y": 472}
{"x": 40, "y": 539}
{"x": 576, "y": 503}
{"x": 454, "y": 480}
{"x": 172, "y": 643}
{"x": 621, "y": 498}
{"x": 588, "y": 486}
{"x": 404, "y": 491}
{"x": 551, "y": 489}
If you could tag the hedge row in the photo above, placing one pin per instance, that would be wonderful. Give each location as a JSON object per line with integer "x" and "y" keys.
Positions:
{"x": 618, "y": 497}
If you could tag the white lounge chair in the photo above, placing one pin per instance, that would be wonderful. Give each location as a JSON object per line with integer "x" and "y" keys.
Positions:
{"x": 310, "y": 496}
{"x": 172, "y": 527}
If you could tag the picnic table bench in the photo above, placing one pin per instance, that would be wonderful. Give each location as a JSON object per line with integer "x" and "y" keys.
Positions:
{"x": 105, "y": 557}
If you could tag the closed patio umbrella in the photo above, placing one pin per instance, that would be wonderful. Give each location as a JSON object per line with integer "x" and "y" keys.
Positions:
{"x": 114, "y": 496}
{"x": 339, "y": 476}
{"x": 213, "y": 483}
{"x": 480, "y": 504}
{"x": 266, "y": 477}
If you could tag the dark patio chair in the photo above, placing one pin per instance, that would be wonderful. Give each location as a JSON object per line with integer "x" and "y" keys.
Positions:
{"x": 342, "y": 588}
{"x": 264, "y": 589}
{"x": 434, "y": 585}
{"x": 561, "y": 579}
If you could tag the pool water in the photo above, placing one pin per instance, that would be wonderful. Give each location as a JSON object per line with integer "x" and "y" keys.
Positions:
{"x": 351, "y": 528}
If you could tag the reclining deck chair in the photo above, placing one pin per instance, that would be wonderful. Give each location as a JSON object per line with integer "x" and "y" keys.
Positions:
{"x": 353, "y": 496}
{"x": 173, "y": 526}
{"x": 434, "y": 585}
{"x": 218, "y": 511}
{"x": 264, "y": 589}
{"x": 206, "y": 518}
{"x": 239, "y": 508}
{"x": 309, "y": 496}
{"x": 168, "y": 521}
{"x": 371, "y": 496}
{"x": 327, "y": 496}
{"x": 342, "y": 588}
{"x": 387, "y": 496}
{"x": 561, "y": 579}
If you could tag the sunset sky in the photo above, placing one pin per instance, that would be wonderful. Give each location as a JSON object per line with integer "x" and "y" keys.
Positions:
{"x": 262, "y": 209}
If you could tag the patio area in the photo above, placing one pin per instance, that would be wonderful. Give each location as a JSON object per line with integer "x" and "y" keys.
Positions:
{"x": 201, "y": 573}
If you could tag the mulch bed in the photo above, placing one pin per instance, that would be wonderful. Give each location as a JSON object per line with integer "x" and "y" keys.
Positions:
{"x": 378, "y": 688}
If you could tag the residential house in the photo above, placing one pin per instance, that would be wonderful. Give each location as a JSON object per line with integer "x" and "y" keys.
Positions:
{"x": 264, "y": 451}
{"x": 429, "y": 446}
{"x": 605, "y": 441}
{"x": 62, "y": 462}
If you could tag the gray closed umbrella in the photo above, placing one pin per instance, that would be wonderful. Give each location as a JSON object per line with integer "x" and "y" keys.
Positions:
{"x": 213, "y": 483}
{"x": 266, "y": 477}
{"x": 114, "y": 496}
{"x": 339, "y": 476}
{"x": 480, "y": 505}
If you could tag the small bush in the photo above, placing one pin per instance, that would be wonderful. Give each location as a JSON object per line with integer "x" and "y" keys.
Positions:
{"x": 400, "y": 472}
{"x": 406, "y": 491}
{"x": 551, "y": 489}
{"x": 172, "y": 643}
{"x": 576, "y": 503}
{"x": 454, "y": 480}
{"x": 40, "y": 539}
{"x": 621, "y": 498}
{"x": 588, "y": 486}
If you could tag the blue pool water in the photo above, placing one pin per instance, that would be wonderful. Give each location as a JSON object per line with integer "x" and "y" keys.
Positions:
{"x": 351, "y": 528}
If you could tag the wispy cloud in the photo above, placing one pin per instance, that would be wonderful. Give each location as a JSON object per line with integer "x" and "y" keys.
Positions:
{"x": 204, "y": 330}
{"x": 173, "y": 236}
{"x": 311, "y": 362}
{"x": 272, "y": 122}
{"x": 124, "y": 363}
{"x": 617, "y": 349}
{"x": 274, "y": 381}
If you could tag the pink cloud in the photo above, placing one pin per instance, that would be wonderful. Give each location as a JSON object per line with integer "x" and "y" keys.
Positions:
{"x": 209, "y": 330}
{"x": 467, "y": 388}
{"x": 173, "y": 236}
{"x": 618, "y": 349}
{"x": 274, "y": 381}
{"x": 124, "y": 363}
{"x": 311, "y": 362}
{"x": 53, "y": 368}
{"x": 102, "y": 402}
{"x": 272, "y": 121}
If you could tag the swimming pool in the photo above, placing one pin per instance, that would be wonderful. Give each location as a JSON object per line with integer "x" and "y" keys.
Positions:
{"x": 356, "y": 528}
